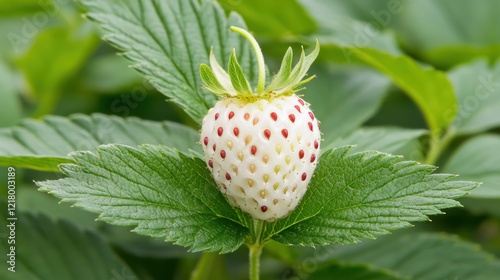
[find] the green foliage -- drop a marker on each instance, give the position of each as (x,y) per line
(10,108)
(436,31)
(478,92)
(149,188)
(363,195)
(352,272)
(168,40)
(425,256)
(429,88)
(474,160)
(68,253)
(385,68)
(46,70)
(390,140)
(43,145)
(276,23)
(346,99)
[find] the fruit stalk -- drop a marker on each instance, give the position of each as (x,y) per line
(255,249)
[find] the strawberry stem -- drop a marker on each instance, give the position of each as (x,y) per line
(256,249)
(261,83)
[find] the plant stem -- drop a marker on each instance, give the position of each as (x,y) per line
(254,255)
(256,249)
(258,53)
(437,146)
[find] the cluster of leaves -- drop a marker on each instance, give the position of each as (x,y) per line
(148,175)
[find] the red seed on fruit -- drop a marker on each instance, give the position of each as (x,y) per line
(253,150)
(223,154)
(231,115)
(246,116)
(310,126)
(292,117)
(311,115)
(297,107)
(228,177)
(220,130)
(304,176)
(267,133)
(216,116)
(313,158)
(214,147)
(274,116)
(236,131)
(263,208)
(211,164)
(316,144)
(301,102)
(301,154)
(284,132)
(205,141)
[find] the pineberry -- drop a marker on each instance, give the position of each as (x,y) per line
(262,148)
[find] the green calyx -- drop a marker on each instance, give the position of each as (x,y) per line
(234,83)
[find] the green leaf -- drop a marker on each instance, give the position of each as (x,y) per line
(363,195)
(428,28)
(161,192)
(43,145)
(10,102)
(339,23)
(430,89)
(397,141)
(422,256)
(477,87)
(237,76)
(267,18)
(482,205)
(55,56)
(477,160)
(448,56)
(30,200)
(344,98)
(58,250)
(350,271)
(108,74)
(168,40)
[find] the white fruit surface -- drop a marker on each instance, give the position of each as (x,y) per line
(262,154)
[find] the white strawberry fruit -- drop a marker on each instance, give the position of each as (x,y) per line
(262,148)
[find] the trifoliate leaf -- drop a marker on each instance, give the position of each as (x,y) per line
(161,192)
(363,195)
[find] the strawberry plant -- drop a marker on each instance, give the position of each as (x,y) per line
(254,175)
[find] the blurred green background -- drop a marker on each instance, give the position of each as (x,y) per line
(53,62)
